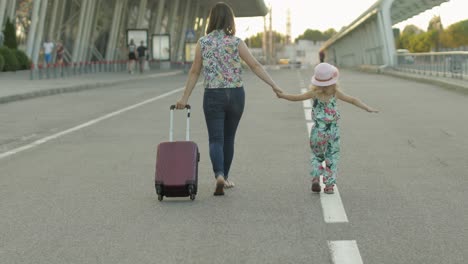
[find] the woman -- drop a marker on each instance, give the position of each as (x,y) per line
(219,55)
(131,56)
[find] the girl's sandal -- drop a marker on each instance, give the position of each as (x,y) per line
(329,189)
(316,185)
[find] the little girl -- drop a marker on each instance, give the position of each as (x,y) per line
(325,134)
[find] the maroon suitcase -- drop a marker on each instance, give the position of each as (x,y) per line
(177,165)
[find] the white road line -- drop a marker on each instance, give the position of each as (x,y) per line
(87,124)
(308,114)
(332,206)
(345,252)
(307,104)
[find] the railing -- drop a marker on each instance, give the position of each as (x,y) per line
(453,64)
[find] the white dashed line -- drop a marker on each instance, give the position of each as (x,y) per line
(84,125)
(345,252)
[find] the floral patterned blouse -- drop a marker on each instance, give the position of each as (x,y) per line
(221,60)
(325,113)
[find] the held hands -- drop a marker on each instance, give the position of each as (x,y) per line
(277,90)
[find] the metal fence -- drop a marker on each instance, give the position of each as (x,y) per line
(450,64)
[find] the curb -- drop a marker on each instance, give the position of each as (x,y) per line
(77,88)
(462,88)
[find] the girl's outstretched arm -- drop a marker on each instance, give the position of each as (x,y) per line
(355,101)
(297,97)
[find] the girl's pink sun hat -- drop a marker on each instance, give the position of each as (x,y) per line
(324,75)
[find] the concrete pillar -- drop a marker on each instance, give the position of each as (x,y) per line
(61,12)
(79,34)
(159,16)
(11,11)
(116,20)
(2,13)
(33,27)
(173,18)
(184,27)
(39,36)
(141,13)
(195,15)
(53,20)
(172,24)
(86,43)
(204,25)
(386,27)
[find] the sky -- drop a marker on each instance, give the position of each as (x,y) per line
(326,14)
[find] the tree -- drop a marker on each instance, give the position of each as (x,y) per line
(329,33)
(311,34)
(407,36)
(10,35)
(256,41)
(435,29)
(435,24)
(456,35)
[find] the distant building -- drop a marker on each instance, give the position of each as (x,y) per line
(305,51)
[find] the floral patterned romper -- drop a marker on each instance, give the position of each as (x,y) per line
(325,140)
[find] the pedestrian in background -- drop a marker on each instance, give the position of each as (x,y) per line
(48,47)
(325,134)
(131,56)
(218,55)
(141,50)
(322,56)
(59,53)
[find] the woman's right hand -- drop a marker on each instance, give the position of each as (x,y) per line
(181,103)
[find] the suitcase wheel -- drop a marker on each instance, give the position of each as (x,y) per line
(191,190)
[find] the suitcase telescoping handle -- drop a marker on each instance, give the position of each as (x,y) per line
(171,126)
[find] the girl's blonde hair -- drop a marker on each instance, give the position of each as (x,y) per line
(321,91)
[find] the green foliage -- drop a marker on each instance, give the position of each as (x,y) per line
(420,43)
(24,63)
(416,40)
(257,40)
(10,35)
(329,33)
(11,63)
(456,35)
(2,62)
(311,34)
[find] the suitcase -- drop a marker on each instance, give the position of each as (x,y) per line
(177,164)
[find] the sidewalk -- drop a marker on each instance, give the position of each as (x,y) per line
(444,82)
(15,86)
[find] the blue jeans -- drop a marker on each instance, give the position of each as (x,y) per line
(223,108)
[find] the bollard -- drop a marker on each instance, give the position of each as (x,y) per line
(40,67)
(47,66)
(31,75)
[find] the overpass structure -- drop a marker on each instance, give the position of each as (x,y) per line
(93,30)
(369,39)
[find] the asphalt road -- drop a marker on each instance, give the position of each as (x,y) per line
(87,195)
